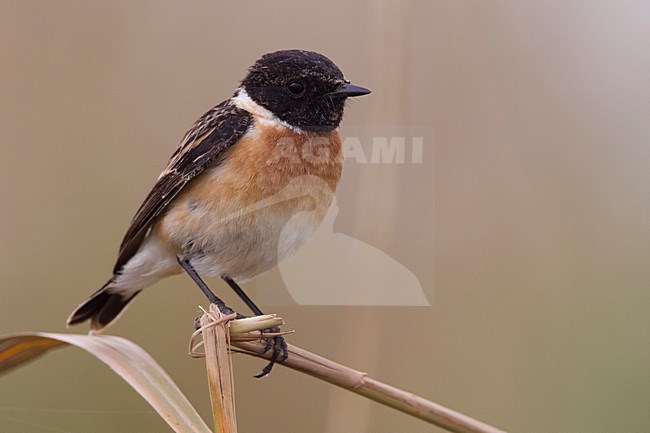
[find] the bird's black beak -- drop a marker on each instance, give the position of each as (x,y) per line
(347,90)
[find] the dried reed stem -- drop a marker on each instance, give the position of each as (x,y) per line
(247,342)
(218,361)
(359,382)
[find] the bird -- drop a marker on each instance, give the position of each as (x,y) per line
(231,201)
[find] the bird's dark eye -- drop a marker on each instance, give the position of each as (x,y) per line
(296,88)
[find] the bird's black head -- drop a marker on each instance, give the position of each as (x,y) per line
(302,88)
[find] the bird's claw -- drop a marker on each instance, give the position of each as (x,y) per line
(280,351)
(277,343)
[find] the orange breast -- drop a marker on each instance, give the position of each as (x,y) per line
(268,175)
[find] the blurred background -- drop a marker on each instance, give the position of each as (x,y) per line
(527,222)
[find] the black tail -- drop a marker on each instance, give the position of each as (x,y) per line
(102,308)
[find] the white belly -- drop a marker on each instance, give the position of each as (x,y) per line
(241,251)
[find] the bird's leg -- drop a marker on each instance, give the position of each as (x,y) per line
(244,297)
(280,350)
(214,299)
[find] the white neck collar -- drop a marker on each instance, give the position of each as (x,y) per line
(243,100)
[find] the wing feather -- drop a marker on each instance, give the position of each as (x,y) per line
(203,144)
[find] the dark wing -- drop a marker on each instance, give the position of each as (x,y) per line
(209,137)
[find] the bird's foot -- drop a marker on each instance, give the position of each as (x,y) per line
(280,350)
(276,343)
(225,310)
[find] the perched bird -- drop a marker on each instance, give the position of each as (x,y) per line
(231,202)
